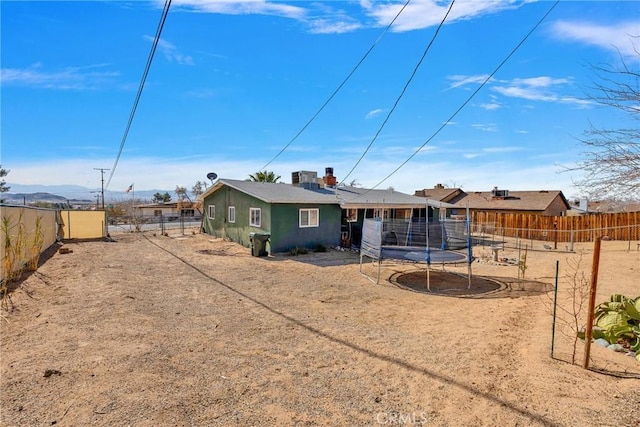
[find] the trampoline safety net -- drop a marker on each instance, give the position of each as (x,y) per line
(447,234)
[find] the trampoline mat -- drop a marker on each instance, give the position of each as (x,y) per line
(412,253)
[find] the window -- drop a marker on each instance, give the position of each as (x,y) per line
(187,212)
(308,218)
(212,211)
(232,214)
(381,213)
(352,215)
(255,217)
(157,212)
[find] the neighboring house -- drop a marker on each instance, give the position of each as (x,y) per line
(304,214)
(439,192)
(543,202)
(168,210)
(587,207)
(360,203)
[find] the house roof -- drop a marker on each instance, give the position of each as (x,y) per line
(275,192)
(439,193)
(346,197)
(517,200)
(354,197)
(158,205)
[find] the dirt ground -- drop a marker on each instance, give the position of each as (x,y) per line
(180,330)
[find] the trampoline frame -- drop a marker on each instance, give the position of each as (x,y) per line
(373,247)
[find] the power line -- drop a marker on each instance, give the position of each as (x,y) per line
(335,92)
(513,51)
(102,171)
(163,17)
(404,89)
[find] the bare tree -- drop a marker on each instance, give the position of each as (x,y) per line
(611,162)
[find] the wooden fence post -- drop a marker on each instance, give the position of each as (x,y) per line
(592,301)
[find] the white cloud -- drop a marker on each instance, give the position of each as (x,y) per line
(614,37)
(540,88)
(242,7)
(491,106)
(69,78)
(170,51)
(421,14)
(324,18)
(487,127)
(509,149)
(462,80)
(328,26)
(320,18)
(371,114)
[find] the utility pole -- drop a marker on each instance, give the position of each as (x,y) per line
(102,171)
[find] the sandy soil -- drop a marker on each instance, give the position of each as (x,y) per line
(154,330)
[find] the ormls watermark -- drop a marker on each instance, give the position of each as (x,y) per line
(393,418)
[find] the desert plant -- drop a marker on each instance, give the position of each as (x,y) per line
(577,294)
(12,259)
(618,322)
(36,245)
(298,251)
(522,264)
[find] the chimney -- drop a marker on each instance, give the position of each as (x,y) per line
(438,187)
(328,178)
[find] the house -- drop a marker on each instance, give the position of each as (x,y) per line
(360,203)
(292,215)
(167,210)
(588,207)
(543,202)
(306,213)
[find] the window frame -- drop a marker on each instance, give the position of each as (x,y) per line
(257,223)
(309,217)
(211,209)
(231,214)
(350,215)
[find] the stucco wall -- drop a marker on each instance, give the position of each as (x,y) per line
(12,217)
(83,224)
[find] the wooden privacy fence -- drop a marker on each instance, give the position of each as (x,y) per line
(615,226)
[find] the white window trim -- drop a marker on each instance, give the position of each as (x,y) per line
(232,214)
(349,218)
(211,211)
(251,222)
(309,210)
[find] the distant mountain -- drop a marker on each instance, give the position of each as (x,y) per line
(62,193)
(27,198)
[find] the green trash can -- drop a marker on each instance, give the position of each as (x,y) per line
(259,243)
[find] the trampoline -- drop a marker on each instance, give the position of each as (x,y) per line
(416,254)
(420,241)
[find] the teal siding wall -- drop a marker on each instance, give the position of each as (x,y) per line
(280,220)
(240,229)
(286,232)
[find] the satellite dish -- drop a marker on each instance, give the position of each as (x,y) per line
(212,175)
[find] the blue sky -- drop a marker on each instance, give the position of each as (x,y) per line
(233,82)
